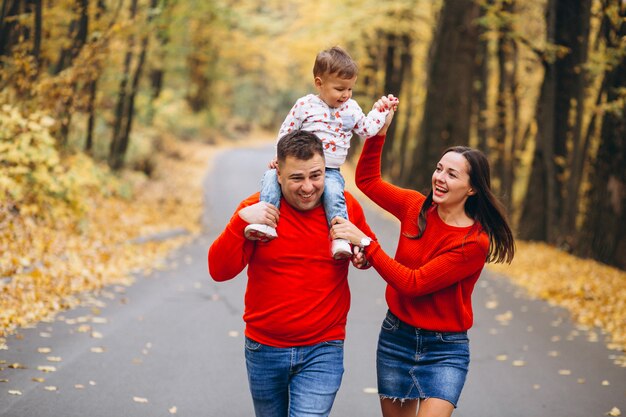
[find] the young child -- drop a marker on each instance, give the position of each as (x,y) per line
(333,116)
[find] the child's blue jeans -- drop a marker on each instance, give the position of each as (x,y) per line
(333,199)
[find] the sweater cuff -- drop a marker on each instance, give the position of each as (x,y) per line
(237,226)
(371,250)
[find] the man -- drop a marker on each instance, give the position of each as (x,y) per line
(297,296)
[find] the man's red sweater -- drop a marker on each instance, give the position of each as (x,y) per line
(430,279)
(297,294)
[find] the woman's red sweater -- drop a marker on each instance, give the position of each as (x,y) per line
(430,280)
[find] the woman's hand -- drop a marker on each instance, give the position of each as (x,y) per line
(358,260)
(390,103)
(345,229)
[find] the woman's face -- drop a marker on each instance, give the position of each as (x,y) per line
(451,181)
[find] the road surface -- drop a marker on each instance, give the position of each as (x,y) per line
(172,343)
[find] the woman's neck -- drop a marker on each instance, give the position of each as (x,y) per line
(454,216)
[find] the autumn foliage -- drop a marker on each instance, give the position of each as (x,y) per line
(69,226)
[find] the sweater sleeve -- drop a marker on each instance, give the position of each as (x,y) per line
(394,199)
(357,216)
(230,252)
(440,272)
(294,119)
(370,124)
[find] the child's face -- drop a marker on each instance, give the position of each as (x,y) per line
(334,90)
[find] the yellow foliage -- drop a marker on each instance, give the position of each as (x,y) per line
(595,294)
(47,261)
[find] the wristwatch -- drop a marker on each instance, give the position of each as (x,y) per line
(365,242)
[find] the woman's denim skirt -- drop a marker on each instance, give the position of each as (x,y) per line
(413,363)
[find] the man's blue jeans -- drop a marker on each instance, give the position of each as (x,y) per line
(294,382)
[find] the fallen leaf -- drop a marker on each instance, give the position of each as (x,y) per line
(50,388)
(140,400)
(173,410)
(15,392)
(17,365)
(519,363)
(614,412)
(565,372)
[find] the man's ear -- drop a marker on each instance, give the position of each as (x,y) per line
(278,174)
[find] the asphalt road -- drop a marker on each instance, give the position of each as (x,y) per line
(172,343)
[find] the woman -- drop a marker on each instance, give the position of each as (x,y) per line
(446,238)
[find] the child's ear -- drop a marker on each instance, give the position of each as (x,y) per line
(318,82)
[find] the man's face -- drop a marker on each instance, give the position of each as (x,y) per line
(302,182)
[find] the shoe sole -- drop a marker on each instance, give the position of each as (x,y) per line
(256,235)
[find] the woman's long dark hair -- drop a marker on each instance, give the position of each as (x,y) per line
(482,206)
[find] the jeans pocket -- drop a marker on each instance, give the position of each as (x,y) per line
(335,343)
(252,345)
(391,323)
(454,337)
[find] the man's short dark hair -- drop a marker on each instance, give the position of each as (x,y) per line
(300,144)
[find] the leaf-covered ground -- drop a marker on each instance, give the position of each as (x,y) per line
(52,263)
(46,264)
(594,294)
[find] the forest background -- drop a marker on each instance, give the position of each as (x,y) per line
(107,108)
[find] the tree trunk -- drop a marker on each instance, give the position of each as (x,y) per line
(579,147)
(117,149)
(480,100)
(604,232)
(37,25)
(538,218)
(92,88)
(447,111)
(8,29)
(400,67)
(157,73)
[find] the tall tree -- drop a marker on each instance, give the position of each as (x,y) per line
(79,29)
(447,111)
(119,144)
(544,203)
(604,232)
(506,107)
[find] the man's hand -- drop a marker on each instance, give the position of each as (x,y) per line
(260,213)
(273,164)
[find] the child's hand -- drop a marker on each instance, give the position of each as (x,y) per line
(273,164)
(390,102)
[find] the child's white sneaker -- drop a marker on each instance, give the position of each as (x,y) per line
(261,232)
(341,249)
